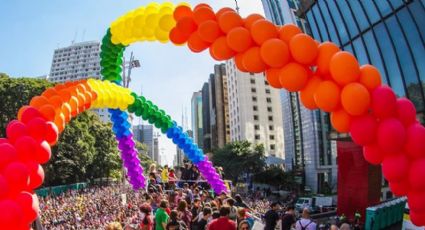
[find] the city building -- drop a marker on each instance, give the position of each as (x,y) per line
(254,110)
(308,150)
(145,134)
(75,62)
(206,118)
(197,123)
(156,153)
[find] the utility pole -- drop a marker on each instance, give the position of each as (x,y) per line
(237,6)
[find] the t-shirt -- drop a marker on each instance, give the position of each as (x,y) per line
(306,223)
(271,218)
(201,225)
(149,224)
(222,223)
(164,175)
(287,221)
(160,217)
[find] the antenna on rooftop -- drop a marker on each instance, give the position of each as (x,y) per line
(75,37)
(84,34)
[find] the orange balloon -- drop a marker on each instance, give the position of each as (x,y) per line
(73,102)
(272,76)
(251,19)
(60,122)
(288,31)
(65,94)
(201,5)
(370,77)
(187,25)
(203,14)
(307,94)
(303,49)
(81,88)
(89,100)
(252,60)
(69,84)
(181,12)
(344,68)
(327,96)
(275,53)
(196,44)
(66,111)
(221,50)
(49,92)
(355,99)
(38,101)
(239,39)
(56,101)
(81,102)
(341,121)
(48,111)
(60,86)
(263,30)
(224,10)
(209,31)
(239,62)
(178,37)
(229,20)
(293,77)
(326,51)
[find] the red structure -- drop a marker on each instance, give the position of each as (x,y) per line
(359,183)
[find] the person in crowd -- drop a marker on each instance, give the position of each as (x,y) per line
(345,226)
(244,225)
(305,223)
(185,173)
(216,214)
(184,214)
(196,210)
(239,202)
(206,218)
(152,169)
(175,223)
(147,220)
(243,216)
(222,223)
(114,226)
(161,216)
(165,176)
(172,178)
(334,227)
(271,217)
(233,215)
(288,219)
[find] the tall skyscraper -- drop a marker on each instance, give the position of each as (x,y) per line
(308,150)
(75,62)
(197,123)
(206,118)
(145,134)
(254,110)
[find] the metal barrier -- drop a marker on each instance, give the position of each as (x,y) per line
(58,190)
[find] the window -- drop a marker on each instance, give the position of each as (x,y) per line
(375,57)
(255,117)
(320,24)
(271,127)
(256,127)
(257,137)
(348,18)
(255,108)
(272,147)
(359,14)
(360,51)
(270,118)
(271,137)
(269,109)
(338,21)
(253,90)
(371,11)
(269,100)
(254,98)
(268,91)
(252,81)
(266,83)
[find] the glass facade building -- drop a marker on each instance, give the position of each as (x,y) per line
(389,34)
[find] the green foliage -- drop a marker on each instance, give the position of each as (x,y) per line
(238,158)
(275,176)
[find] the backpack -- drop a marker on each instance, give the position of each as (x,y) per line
(305,227)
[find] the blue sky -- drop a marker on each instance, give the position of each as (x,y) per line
(31,30)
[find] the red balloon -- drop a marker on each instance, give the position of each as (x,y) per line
(182,11)
(221,50)
(37,128)
(25,147)
(415,144)
(275,53)
(203,14)
(42,152)
(196,44)
(263,30)
(373,154)
(52,133)
(14,215)
(384,102)
(29,113)
(399,188)
(239,39)
(4,140)
(272,76)
(17,176)
(406,111)
(4,188)
(363,130)
(7,154)
(416,175)
(15,129)
(29,205)
(252,60)
(209,31)
(416,201)
(36,175)
(395,167)
(186,25)
(229,20)
(178,37)
(417,218)
(391,135)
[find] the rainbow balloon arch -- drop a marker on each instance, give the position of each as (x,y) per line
(326,77)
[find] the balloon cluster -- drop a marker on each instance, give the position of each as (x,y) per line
(149,23)
(27,146)
(110,95)
(328,79)
(126,144)
(111,59)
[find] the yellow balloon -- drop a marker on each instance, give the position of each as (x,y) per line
(184,4)
(152,7)
(152,20)
(148,32)
(161,35)
(139,11)
(167,22)
(115,40)
(137,32)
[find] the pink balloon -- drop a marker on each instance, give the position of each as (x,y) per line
(416,201)
(13,216)
(7,154)
(36,174)
(17,176)
(416,175)
(415,143)
(15,129)
(391,135)
(25,146)
(400,188)
(395,168)
(4,188)
(29,206)
(417,218)
(363,130)
(406,111)
(373,154)
(384,102)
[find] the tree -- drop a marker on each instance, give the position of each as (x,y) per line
(145,160)
(275,176)
(239,158)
